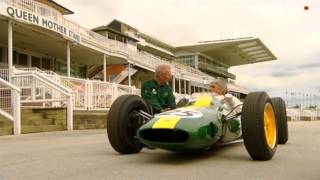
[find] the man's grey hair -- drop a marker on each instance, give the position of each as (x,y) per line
(162,69)
(222,83)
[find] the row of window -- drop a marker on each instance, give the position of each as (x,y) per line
(208,62)
(59,66)
(187,60)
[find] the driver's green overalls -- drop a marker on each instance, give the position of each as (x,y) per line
(160,97)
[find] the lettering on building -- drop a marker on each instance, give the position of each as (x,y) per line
(43,22)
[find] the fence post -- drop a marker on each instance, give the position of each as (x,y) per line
(114,92)
(69,113)
(33,89)
(89,95)
(86,95)
(16,112)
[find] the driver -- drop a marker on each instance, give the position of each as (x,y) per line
(219,88)
(157,92)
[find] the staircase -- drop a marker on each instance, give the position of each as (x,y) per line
(123,75)
(6,126)
(94,70)
(43,120)
(37,120)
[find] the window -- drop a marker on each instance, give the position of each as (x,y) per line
(23,59)
(60,67)
(187,60)
(35,62)
(46,63)
(111,36)
(82,71)
(14,57)
(119,38)
(1,55)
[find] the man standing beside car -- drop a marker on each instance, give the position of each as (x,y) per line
(157,92)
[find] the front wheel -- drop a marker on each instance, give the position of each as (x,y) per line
(123,123)
(259,127)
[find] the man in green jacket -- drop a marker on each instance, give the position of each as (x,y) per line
(157,92)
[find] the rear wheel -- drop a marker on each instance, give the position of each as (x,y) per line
(123,123)
(259,128)
(281,116)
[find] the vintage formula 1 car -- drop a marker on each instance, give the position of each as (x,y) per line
(199,124)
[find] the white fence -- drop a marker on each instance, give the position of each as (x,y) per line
(47,89)
(297,114)
(10,104)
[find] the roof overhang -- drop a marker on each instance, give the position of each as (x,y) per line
(63,10)
(153,40)
(233,52)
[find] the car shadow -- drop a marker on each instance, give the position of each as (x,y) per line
(224,152)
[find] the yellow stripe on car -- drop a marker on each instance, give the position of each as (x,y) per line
(168,122)
(203,101)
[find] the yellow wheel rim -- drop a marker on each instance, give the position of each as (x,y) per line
(270,128)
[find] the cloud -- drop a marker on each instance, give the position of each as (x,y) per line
(283,74)
(310,65)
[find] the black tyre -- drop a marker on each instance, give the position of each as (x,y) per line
(123,123)
(259,127)
(281,116)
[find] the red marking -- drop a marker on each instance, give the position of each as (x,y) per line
(306,8)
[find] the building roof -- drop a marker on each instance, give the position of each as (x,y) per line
(56,6)
(120,22)
(233,52)
(106,28)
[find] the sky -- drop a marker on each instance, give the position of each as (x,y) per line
(289,31)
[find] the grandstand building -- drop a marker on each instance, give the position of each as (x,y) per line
(49,61)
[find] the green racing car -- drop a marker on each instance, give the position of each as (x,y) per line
(199,124)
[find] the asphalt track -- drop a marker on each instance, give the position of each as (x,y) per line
(88,155)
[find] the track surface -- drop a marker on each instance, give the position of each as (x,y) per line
(88,155)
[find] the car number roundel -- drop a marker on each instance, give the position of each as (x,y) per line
(183,113)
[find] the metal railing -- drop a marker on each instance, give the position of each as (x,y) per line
(86,94)
(39,90)
(10,104)
(78,89)
(4,74)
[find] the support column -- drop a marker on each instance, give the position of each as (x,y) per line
(185,87)
(196,61)
(29,60)
(173,83)
(104,67)
(68,59)
(180,85)
(129,74)
(189,88)
(10,51)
